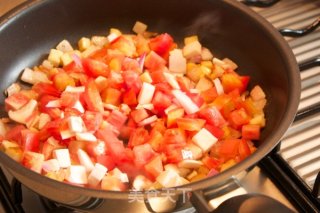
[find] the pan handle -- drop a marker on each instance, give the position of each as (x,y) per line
(209,199)
(232,197)
(260,3)
(301,32)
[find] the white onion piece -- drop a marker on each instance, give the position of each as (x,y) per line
(146,93)
(189,106)
(96,175)
(204,139)
(218,85)
(77,174)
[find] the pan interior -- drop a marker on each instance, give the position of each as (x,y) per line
(221,27)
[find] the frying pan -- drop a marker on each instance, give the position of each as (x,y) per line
(224,26)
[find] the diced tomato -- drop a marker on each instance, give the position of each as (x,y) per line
(112,183)
(92,120)
(75,145)
(33,161)
(239,117)
(92,97)
(196,98)
(153,61)
(61,80)
(29,140)
(211,163)
(173,115)
(209,95)
(216,131)
(14,133)
(159,126)
(113,144)
(16,101)
(173,152)
(46,89)
(156,141)
(251,132)
(107,161)
(229,148)
(231,81)
(73,67)
(81,79)
(161,101)
(132,80)
(138,137)
(139,115)
(184,83)
(157,77)
(244,150)
(161,44)
(100,55)
(130,97)
(154,167)
(249,106)
(130,169)
(190,124)
(111,96)
(95,68)
(53,128)
(175,136)
(143,154)
(245,81)
(142,44)
(213,116)
(117,119)
(165,88)
(124,45)
(126,132)
(44,100)
(129,64)
(223,101)
(48,146)
(115,80)
(68,99)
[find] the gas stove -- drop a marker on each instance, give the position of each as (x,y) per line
(291,172)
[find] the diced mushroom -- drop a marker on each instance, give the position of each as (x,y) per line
(63,157)
(190,164)
(177,62)
(64,46)
(51,165)
(192,49)
(23,114)
(76,174)
(139,27)
(33,77)
(97,174)
(76,124)
(85,160)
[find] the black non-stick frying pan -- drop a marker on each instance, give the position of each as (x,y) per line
(225,26)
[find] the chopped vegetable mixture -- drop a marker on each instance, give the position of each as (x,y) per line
(131,111)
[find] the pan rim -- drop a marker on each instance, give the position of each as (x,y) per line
(294,79)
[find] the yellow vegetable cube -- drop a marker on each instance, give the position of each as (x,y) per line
(84,43)
(188,40)
(55,57)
